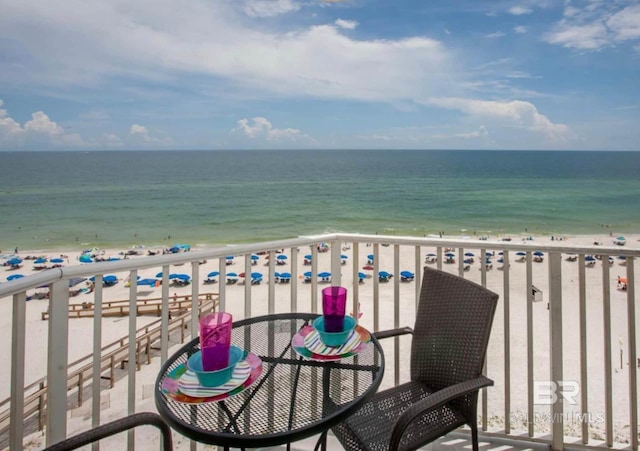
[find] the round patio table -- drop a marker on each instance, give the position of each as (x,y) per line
(291,398)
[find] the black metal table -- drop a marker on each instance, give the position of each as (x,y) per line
(293,398)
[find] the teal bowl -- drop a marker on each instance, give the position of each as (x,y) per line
(218,377)
(334,338)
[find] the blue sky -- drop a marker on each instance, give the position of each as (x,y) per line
(318,74)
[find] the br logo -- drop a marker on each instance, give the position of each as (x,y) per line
(548,392)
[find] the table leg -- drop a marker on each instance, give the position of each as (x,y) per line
(322,442)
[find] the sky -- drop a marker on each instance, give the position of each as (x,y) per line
(319,74)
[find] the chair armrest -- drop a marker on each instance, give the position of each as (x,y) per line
(120,425)
(392,332)
(434,401)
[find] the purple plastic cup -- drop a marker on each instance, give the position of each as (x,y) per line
(334,303)
(215,340)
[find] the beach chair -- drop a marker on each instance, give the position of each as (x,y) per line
(434,402)
(115,427)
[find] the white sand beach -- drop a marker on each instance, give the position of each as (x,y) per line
(80,330)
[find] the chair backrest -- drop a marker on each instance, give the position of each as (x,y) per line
(452,329)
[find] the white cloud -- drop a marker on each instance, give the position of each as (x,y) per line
(40,123)
(269,8)
(514,112)
(40,132)
(480,132)
(497,34)
(140,134)
(520,29)
(625,24)
(262,128)
(10,130)
(520,10)
(347,24)
(91,42)
(586,37)
(597,25)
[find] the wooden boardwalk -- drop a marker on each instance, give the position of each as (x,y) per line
(151,306)
(114,357)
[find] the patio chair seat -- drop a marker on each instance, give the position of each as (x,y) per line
(448,347)
(371,427)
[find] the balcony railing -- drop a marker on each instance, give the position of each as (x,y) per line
(565,368)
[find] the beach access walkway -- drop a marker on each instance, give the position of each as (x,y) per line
(114,357)
(151,306)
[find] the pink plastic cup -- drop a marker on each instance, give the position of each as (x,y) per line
(334,303)
(215,340)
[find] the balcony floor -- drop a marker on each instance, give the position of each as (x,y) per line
(456,441)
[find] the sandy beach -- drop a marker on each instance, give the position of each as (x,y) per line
(80,330)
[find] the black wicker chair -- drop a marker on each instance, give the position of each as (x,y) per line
(121,425)
(449,343)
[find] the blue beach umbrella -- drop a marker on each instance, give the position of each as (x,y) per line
(285,275)
(14,261)
(370,256)
(449,254)
(14,277)
(324,274)
(487,261)
(468,261)
(521,254)
(589,258)
(431,254)
(40,261)
(308,256)
(281,257)
(384,274)
(57,260)
(362,276)
(107,278)
(344,257)
(255,257)
(406,274)
(501,260)
(538,253)
(308,274)
(150,282)
(85,258)
(469,254)
(256,275)
(232,275)
(229,257)
(213,274)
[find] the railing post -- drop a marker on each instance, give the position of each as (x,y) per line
(507,342)
(97,356)
(336,261)
(17,371)
(131,367)
(56,429)
(555,351)
(633,376)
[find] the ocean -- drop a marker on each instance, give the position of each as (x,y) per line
(65,200)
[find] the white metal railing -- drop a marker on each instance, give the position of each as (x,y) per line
(518,414)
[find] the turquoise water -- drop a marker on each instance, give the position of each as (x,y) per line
(63,199)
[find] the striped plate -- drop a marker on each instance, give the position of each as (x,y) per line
(313,343)
(190,386)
